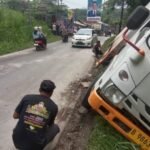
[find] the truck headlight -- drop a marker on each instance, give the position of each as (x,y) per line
(113,94)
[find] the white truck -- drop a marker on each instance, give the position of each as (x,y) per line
(122,93)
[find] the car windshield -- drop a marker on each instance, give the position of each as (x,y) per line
(84,32)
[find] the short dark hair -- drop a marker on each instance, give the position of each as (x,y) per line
(94,3)
(47,86)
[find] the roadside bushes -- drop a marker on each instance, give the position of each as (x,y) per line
(16,31)
(107,43)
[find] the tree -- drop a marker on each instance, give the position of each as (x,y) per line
(134,3)
(112,10)
(80,14)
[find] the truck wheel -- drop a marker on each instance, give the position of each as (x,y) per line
(87,94)
(85,98)
(37,48)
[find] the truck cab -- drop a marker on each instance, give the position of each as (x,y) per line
(121,93)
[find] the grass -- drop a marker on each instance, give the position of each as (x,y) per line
(105,137)
(16,31)
(107,43)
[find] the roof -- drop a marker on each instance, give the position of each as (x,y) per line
(79,23)
(86,28)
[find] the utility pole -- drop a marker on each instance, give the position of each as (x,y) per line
(59,5)
(121,16)
(57,13)
(61,1)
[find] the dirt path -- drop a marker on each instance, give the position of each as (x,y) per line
(77,131)
(78,128)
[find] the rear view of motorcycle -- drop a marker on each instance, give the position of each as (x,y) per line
(39,45)
(65,38)
(39,38)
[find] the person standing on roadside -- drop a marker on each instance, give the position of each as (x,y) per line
(35,33)
(54,28)
(57,29)
(36,114)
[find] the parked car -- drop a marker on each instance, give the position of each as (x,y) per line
(84,37)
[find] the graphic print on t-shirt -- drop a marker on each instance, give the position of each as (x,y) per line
(36,116)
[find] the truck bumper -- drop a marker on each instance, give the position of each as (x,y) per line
(119,121)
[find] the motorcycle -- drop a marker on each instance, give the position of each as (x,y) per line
(39,45)
(65,38)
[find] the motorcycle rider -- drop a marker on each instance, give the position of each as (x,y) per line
(39,35)
(35,33)
(64,35)
(42,35)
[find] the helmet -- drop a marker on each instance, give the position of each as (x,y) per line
(40,28)
(35,28)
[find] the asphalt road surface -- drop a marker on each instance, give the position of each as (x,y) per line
(22,72)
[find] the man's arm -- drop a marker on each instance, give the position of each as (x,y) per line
(53,116)
(18,109)
(16,115)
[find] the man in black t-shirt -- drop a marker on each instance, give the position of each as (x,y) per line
(36,114)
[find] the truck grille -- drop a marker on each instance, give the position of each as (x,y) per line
(145,120)
(135,107)
(139,109)
(147,108)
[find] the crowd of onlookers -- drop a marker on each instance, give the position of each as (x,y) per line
(59,29)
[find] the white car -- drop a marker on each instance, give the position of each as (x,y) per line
(84,37)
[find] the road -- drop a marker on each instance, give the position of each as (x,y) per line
(22,72)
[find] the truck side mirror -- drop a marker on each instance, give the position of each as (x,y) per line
(138,16)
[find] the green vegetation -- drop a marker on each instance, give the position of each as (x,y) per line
(80,14)
(112,15)
(108,43)
(16,31)
(105,137)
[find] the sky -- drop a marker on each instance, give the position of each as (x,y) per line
(75,3)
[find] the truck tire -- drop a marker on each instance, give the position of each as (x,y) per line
(87,94)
